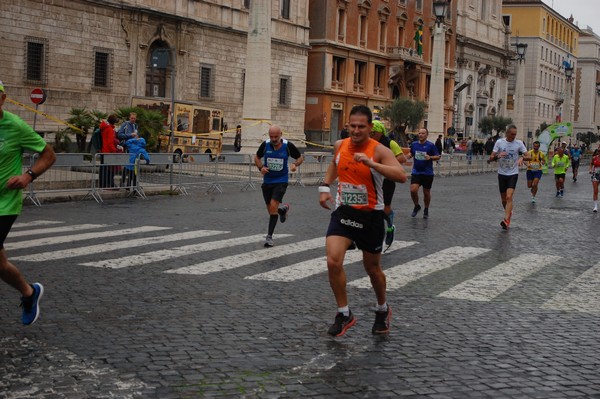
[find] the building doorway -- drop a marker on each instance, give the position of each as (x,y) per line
(336,116)
(157,66)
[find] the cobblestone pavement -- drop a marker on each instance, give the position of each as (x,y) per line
(175,297)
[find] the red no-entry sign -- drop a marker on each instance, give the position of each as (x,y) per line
(38,96)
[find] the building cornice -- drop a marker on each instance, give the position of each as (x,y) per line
(482,46)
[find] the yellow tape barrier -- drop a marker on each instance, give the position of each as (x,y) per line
(75,128)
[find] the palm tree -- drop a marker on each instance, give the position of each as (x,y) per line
(82,119)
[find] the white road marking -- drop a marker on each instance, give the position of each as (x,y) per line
(493,282)
(165,254)
(581,294)
(399,276)
(112,246)
(53,230)
(311,267)
(239,260)
(34,223)
(81,237)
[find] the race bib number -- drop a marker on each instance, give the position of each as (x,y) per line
(534,165)
(275,164)
(506,162)
(420,155)
(354,195)
(560,164)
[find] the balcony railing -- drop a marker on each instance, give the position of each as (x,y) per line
(404,53)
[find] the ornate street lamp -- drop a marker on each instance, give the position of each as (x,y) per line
(439,10)
(569,73)
(521,50)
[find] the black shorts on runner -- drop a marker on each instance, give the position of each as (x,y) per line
(388,191)
(6,222)
(274,191)
(506,182)
(575,164)
(422,180)
(365,228)
(559,176)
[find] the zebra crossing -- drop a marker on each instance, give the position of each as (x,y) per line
(146,244)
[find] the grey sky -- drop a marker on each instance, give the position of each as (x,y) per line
(584,12)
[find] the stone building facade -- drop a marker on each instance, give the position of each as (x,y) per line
(587,117)
(100,54)
(364,52)
(483,59)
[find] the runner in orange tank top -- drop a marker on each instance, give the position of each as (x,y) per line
(360,164)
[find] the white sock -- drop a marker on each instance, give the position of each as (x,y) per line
(345,310)
(381,308)
(595,204)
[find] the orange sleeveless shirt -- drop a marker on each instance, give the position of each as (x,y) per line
(358,185)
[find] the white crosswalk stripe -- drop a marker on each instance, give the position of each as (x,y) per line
(493,282)
(311,267)
(582,294)
(399,276)
(235,261)
(115,245)
(80,237)
(54,230)
(166,254)
(35,223)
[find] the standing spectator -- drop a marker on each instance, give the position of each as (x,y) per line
(16,136)
(272,160)
(136,146)
(450,145)
(438,144)
(507,152)
(469,150)
(424,152)
(106,174)
(127,129)
(595,172)
(489,146)
(237,141)
(344,133)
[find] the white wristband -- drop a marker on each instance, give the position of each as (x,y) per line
(324,189)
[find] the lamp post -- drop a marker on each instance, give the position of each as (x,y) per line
(567,103)
(435,112)
(519,101)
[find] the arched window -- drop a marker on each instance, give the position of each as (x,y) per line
(158,69)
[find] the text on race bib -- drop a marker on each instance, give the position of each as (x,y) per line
(353,195)
(275,164)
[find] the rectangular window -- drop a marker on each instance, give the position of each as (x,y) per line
(379,81)
(382,36)
(247,4)
(362,40)
(207,81)
(419,5)
(102,68)
(285,9)
(35,60)
(341,24)
(338,72)
(285,91)
(243,83)
(402,3)
(360,72)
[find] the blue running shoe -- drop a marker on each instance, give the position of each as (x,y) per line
(389,235)
(31,305)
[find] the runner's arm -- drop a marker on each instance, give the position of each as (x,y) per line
(325,198)
(46,159)
(385,163)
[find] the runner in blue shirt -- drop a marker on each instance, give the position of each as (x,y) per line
(575,157)
(424,153)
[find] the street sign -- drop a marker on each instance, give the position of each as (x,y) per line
(38,96)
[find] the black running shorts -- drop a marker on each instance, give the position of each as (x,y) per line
(274,191)
(6,222)
(365,228)
(506,182)
(422,180)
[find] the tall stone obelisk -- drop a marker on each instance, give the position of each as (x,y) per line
(256,111)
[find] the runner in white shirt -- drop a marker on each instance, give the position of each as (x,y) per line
(510,154)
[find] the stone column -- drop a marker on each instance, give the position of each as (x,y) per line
(435,113)
(257,87)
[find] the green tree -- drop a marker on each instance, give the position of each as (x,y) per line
(588,138)
(500,123)
(150,123)
(486,125)
(543,126)
(82,119)
(404,113)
